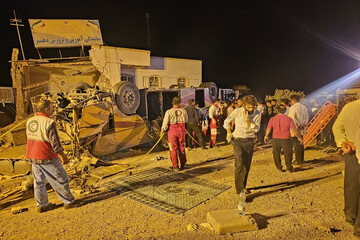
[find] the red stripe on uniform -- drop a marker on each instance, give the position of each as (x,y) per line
(39,150)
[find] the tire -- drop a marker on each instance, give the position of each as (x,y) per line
(80,86)
(127,97)
(213,90)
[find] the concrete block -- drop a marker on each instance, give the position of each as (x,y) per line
(230,221)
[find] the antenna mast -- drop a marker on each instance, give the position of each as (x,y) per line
(17,22)
(147,15)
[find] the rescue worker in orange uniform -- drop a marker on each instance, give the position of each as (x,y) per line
(174,121)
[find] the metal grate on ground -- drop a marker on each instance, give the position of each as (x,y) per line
(166,190)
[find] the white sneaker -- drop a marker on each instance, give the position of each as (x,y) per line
(242,203)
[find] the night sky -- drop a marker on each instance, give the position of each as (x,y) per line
(262,44)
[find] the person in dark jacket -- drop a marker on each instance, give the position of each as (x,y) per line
(193,124)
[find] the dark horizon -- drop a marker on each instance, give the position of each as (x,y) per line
(262,44)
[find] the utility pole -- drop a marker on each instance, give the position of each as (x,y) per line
(16,22)
(147,15)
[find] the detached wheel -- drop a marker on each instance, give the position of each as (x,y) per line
(82,86)
(127,97)
(213,90)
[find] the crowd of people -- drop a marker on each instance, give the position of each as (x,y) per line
(206,127)
(247,121)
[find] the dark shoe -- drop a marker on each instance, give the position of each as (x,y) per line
(280,169)
(46,208)
(183,167)
(204,147)
(74,204)
(290,170)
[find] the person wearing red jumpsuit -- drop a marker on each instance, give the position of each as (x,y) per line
(174,122)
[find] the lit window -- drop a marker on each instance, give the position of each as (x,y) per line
(154,81)
(126,78)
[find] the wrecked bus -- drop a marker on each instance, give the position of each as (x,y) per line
(103,118)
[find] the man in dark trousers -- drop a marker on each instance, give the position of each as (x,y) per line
(193,124)
(174,121)
(247,121)
(282,127)
(299,114)
(347,136)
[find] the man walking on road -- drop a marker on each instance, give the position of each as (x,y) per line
(214,112)
(174,121)
(193,124)
(299,115)
(247,122)
(282,126)
(45,152)
(346,130)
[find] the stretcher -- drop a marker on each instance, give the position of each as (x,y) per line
(319,122)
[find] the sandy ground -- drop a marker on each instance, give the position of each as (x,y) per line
(306,204)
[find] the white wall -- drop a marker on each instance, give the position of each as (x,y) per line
(169,70)
(108,60)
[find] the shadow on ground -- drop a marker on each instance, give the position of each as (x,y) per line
(315,163)
(262,220)
(279,187)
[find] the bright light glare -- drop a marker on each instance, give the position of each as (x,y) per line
(343,83)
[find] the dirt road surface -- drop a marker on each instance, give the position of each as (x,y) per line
(305,204)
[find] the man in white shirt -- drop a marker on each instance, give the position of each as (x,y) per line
(229,110)
(247,122)
(214,112)
(261,108)
(346,131)
(299,115)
